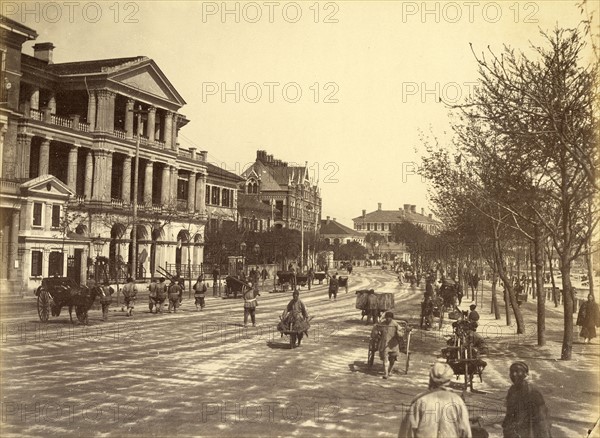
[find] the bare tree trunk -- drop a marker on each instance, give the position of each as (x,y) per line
(590,269)
(495,306)
(539,281)
(568,306)
(554,297)
(509,293)
(532,269)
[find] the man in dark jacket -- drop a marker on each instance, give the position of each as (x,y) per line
(526,410)
(333,287)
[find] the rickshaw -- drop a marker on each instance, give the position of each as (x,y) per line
(235,286)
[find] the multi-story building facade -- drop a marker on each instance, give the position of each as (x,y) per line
(295,199)
(383,221)
(70,158)
(221,197)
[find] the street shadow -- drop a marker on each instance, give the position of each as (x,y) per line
(278,345)
(363,367)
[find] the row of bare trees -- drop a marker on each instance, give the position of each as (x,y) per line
(524,167)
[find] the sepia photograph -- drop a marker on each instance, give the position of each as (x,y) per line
(299,219)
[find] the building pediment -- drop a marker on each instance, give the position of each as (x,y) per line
(147,78)
(45,186)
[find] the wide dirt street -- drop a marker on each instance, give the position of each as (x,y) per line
(203,374)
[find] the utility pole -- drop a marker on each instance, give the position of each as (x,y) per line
(138,113)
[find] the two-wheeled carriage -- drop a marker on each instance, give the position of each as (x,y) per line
(285,281)
(375,340)
(58,292)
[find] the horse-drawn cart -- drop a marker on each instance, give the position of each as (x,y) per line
(57,292)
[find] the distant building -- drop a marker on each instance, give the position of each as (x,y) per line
(383,221)
(295,199)
(333,233)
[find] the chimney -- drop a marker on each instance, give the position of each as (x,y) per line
(43,51)
(364,213)
(407,207)
(422,211)
(379,206)
(327,220)
(430,216)
(413,208)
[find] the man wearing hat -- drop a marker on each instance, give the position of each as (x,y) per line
(438,412)
(526,410)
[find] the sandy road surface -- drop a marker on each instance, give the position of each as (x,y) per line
(203,374)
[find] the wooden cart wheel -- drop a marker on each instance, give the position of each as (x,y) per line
(43,305)
(82,314)
(407,353)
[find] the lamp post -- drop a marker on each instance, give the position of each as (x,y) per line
(98,244)
(138,113)
(243,250)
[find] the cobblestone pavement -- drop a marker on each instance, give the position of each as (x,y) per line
(203,374)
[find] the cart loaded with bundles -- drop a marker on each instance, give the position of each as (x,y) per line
(385,301)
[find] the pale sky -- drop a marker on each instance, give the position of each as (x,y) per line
(381,65)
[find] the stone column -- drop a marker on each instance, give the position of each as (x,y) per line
(91,113)
(34,99)
(44,157)
(151,123)
(174,174)
(105,120)
(165,186)
(148,183)
(108,175)
(72,168)
(89,175)
(52,103)
(129,119)
(23,155)
(13,245)
(200,194)
(191,192)
(100,191)
(174,132)
(168,129)
(126,182)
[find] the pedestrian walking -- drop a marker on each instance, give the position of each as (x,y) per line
(526,410)
(438,412)
(588,319)
(391,336)
(250,304)
(333,287)
(264,274)
(175,292)
(105,299)
(129,295)
(152,290)
(199,292)
(161,295)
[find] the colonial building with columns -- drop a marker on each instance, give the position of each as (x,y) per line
(69,168)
